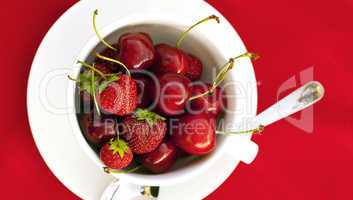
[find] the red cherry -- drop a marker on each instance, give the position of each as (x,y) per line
(136,50)
(108,52)
(104,68)
(195,134)
(172,93)
(213,103)
(170,60)
(195,68)
(98,129)
(161,159)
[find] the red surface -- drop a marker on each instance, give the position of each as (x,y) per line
(290,36)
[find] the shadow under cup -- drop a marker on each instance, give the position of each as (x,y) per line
(196,43)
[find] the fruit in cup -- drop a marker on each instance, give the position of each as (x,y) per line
(143,131)
(195,68)
(119,97)
(116,154)
(195,134)
(98,129)
(161,159)
(172,94)
(170,60)
(98,70)
(136,50)
(212,103)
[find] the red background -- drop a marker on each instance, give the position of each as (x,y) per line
(290,36)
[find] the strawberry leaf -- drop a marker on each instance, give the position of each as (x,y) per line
(118,146)
(85,82)
(150,117)
(109,79)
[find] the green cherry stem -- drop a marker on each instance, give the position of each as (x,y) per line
(184,34)
(223,73)
(95,13)
(92,68)
(215,82)
(258,130)
(114,61)
(93,88)
(114,171)
(73,79)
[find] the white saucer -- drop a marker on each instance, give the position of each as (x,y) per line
(50,125)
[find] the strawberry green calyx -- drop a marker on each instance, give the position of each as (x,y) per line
(84,81)
(109,79)
(150,117)
(118,146)
(101,80)
(88,82)
(93,81)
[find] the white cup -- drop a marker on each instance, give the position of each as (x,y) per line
(212,43)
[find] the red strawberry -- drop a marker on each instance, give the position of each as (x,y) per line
(119,97)
(144,131)
(161,159)
(195,68)
(116,154)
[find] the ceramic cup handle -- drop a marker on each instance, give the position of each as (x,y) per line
(122,190)
(246,150)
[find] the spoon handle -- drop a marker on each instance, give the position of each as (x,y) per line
(246,150)
(298,100)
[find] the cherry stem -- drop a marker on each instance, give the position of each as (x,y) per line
(184,34)
(93,88)
(95,13)
(222,74)
(114,61)
(258,130)
(92,68)
(115,171)
(73,79)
